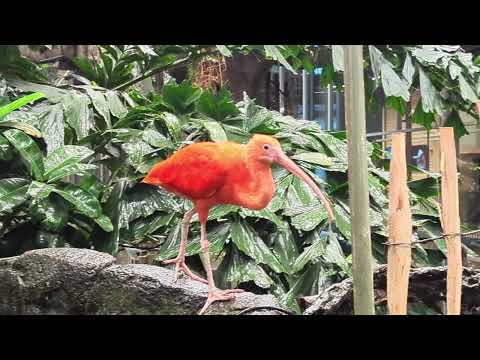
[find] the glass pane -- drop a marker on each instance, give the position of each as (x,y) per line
(320,113)
(337,110)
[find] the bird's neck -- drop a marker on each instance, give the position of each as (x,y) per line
(259,188)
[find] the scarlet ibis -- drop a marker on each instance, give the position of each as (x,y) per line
(211,174)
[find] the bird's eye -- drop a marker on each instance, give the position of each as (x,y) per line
(266,147)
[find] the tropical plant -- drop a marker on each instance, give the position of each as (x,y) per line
(286,249)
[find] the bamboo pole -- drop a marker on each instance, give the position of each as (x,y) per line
(451,220)
(400,230)
(355,119)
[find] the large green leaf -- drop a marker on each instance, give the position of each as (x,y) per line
(215,131)
(466,90)
(39,190)
(431,100)
(456,122)
(20,125)
(85,203)
(100,103)
(53,94)
(52,125)
(28,150)
(65,161)
(392,84)
(24,100)
(217,107)
(274,52)
(319,243)
(77,114)
(113,208)
(408,71)
(6,152)
(143,201)
(51,212)
(181,97)
(310,219)
(13,192)
(115,104)
(156,139)
(237,268)
(264,214)
(422,118)
(334,254)
(224,50)
(314,158)
(173,125)
(250,243)
(285,248)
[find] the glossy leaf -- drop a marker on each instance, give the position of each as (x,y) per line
(28,150)
(285,248)
(181,97)
(51,125)
(310,219)
(248,241)
(53,94)
(431,101)
(215,131)
(392,84)
(408,71)
(65,161)
(77,114)
(39,190)
(466,90)
(314,158)
(50,212)
(6,150)
(13,192)
(85,203)
(314,251)
(24,100)
(115,104)
(224,50)
(100,103)
(237,268)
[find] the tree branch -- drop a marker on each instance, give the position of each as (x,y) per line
(175,65)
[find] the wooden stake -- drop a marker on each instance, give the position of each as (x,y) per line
(400,230)
(451,220)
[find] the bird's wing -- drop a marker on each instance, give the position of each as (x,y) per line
(197,171)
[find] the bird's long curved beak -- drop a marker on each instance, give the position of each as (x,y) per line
(284,161)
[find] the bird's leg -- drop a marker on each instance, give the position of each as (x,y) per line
(214,294)
(179,261)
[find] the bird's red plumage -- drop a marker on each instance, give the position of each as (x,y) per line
(196,171)
(217,173)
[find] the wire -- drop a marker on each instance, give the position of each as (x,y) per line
(431,239)
(254,308)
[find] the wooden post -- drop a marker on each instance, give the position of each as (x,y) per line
(451,220)
(358,181)
(400,230)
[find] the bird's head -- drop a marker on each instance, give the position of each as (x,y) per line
(267,149)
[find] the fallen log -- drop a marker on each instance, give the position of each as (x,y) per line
(426,285)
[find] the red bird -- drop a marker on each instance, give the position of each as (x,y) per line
(211,174)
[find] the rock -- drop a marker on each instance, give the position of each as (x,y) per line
(82,281)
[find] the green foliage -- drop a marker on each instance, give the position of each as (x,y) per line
(286,249)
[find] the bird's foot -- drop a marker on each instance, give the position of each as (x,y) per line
(219,295)
(182,267)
